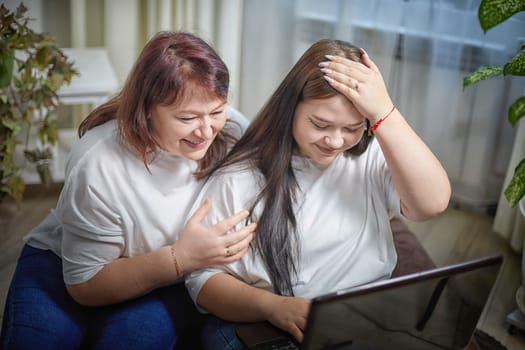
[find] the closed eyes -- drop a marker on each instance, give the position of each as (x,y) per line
(322,126)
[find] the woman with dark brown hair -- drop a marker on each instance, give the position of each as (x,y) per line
(104,269)
(324,166)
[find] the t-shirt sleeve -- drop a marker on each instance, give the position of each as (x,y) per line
(91,228)
(226,201)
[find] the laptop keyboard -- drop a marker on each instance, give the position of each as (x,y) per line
(281,344)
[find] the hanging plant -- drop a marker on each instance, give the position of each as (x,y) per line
(490,14)
(32,70)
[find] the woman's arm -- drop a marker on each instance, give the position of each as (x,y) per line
(198,247)
(234,300)
(419,177)
(126,278)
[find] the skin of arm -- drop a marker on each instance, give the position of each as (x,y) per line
(420,180)
(126,278)
(198,247)
(233,300)
(419,177)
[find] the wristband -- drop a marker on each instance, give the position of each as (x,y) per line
(378,123)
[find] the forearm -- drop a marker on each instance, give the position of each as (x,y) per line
(419,177)
(127,278)
(231,299)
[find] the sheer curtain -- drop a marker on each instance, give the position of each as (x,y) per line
(510,222)
(217,21)
(124,26)
(424,49)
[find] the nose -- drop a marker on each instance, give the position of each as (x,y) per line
(205,130)
(334,140)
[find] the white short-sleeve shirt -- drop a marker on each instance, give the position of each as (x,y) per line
(111,206)
(343,215)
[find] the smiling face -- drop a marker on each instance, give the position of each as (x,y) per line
(324,128)
(188,127)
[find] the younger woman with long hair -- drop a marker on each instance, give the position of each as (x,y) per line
(324,166)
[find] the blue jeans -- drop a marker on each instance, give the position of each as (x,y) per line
(218,334)
(40,314)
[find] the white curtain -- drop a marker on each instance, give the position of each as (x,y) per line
(128,24)
(267,50)
(217,21)
(510,222)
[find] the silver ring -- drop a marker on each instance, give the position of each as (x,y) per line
(227,251)
(357,85)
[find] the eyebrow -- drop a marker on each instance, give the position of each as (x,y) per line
(319,119)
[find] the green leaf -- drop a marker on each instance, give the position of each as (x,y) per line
(493,12)
(517,110)
(43,56)
(16,189)
(56,81)
(6,69)
(516,66)
(37,154)
(482,73)
(48,134)
(12,125)
(516,188)
(8,164)
(9,168)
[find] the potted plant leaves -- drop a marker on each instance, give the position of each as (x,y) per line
(32,70)
(490,14)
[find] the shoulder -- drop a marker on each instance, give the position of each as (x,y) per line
(96,145)
(242,178)
(239,172)
(237,123)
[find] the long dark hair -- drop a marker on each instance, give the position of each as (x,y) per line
(268,144)
(167,64)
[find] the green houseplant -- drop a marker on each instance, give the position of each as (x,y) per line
(490,14)
(32,70)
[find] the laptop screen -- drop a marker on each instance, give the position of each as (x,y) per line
(435,309)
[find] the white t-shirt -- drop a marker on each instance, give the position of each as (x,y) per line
(111,206)
(343,215)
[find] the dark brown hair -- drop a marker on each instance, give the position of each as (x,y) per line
(168,63)
(268,144)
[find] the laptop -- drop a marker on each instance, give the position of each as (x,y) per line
(432,309)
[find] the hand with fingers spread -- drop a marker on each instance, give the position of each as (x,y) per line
(362,83)
(200,246)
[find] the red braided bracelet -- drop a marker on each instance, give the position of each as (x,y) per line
(377,123)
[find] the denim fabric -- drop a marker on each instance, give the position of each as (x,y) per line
(40,314)
(218,334)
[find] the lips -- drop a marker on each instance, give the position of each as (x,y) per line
(196,145)
(327,151)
